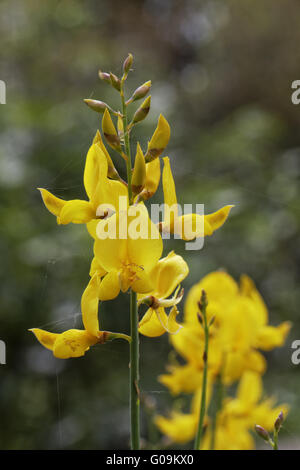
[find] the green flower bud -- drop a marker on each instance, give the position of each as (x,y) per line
(95,105)
(261,432)
(159,140)
(104,76)
(127,64)
(110,132)
(142,111)
(140,92)
(278,422)
(139,171)
(115,81)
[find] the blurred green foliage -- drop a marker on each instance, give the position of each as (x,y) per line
(221,73)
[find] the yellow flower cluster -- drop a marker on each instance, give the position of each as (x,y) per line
(114,213)
(239,330)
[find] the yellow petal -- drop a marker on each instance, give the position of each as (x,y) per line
(150,325)
(172,327)
(152,179)
(109,131)
(221,290)
(170,198)
(271,337)
(89,306)
(96,268)
(217,219)
(73,343)
(92,228)
(146,251)
(53,203)
(156,322)
(112,252)
(179,427)
(168,274)
(143,282)
(46,338)
(107,124)
(109,287)
(250,389)
(182,379)
(139,171)
(110,196)
(77,212)
(111,171)
(159,140)
(248,289)
(91,170)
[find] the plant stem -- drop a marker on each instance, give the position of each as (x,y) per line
(275,441)
(217,408)
(134,374)
(134,344)
(204,380)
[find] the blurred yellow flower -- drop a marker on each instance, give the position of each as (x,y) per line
(239,329)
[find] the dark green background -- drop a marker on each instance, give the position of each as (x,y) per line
(221,73)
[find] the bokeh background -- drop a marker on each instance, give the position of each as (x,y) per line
(221,73)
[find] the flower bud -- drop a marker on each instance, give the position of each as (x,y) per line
(127,64)
(115,81)
(159,140)
(110,132)
(142,111)
(111,170)
(140,92)
(95,105)
(202,304)
(139,171)
(104,76)
(261,432)
(120,126)
(278,422)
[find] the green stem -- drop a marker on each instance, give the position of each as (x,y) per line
(217,408)
(204,382)
(134,344)
(275,441)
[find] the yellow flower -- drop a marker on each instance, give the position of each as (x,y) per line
(240,327)
(181,427)
(101,190)
(74,342)
(166,276)
(235,421)
(127,260)
(239,415)
(70,343)
(188,226)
